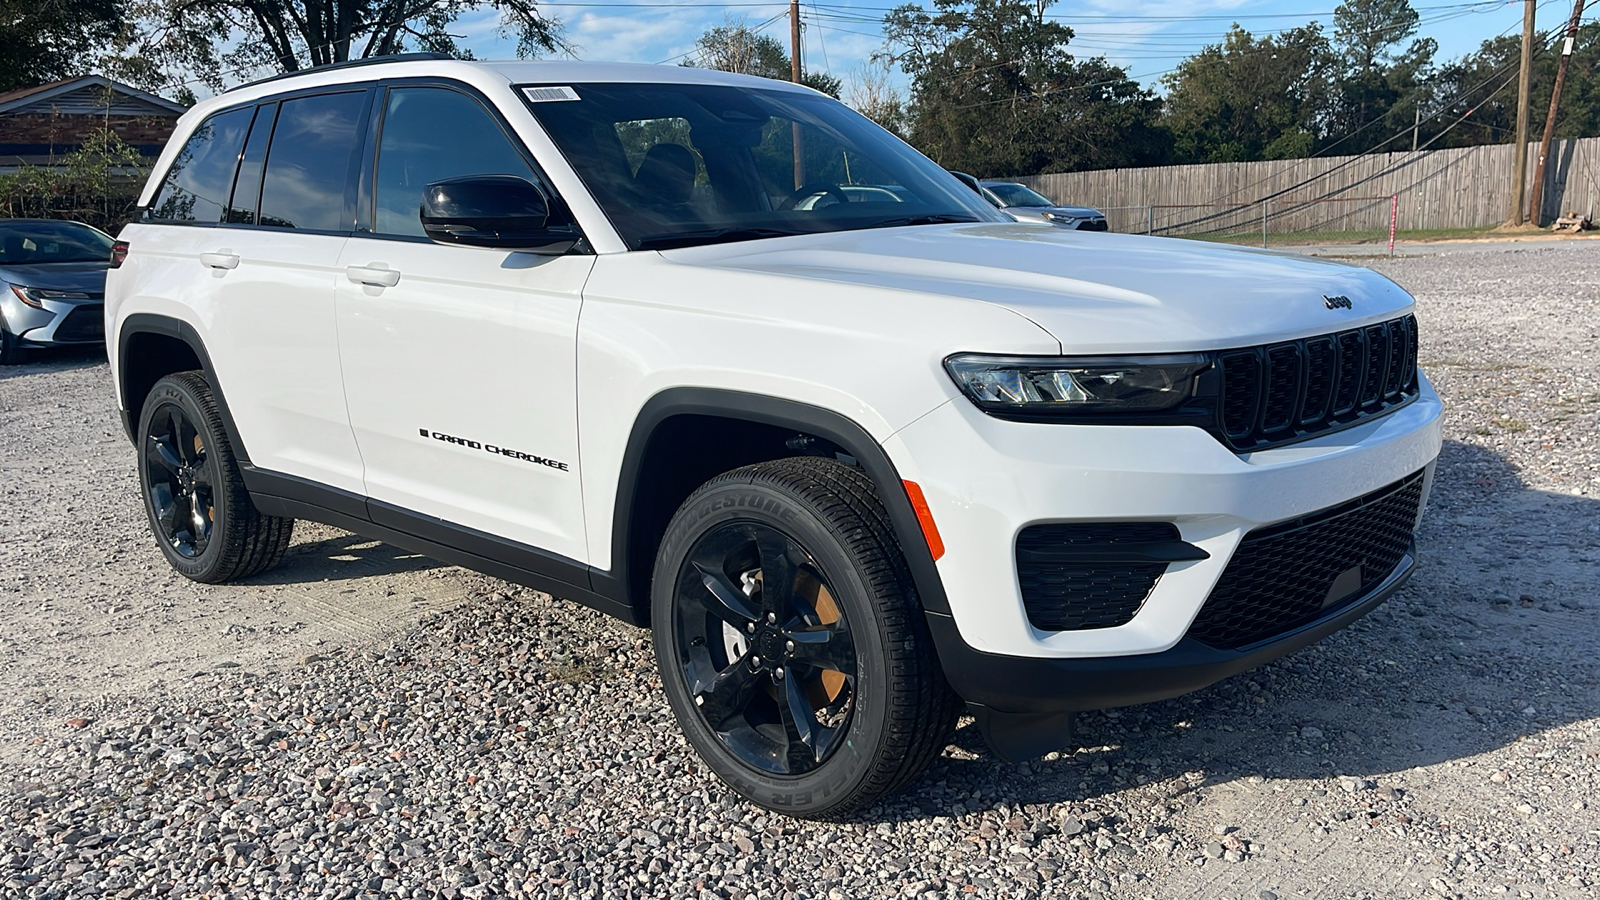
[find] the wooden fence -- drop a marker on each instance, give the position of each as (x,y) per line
(1465,187)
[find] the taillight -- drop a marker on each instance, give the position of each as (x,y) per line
(119,252)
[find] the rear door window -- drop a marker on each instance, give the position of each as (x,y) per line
(197,186)
(309,162)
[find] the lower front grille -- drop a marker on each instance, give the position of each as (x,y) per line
(82,324)
(1065,589)
(1092,225)
(1287,574)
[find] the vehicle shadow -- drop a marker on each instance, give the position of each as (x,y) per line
(342,557)
(1491,641)
(56,359)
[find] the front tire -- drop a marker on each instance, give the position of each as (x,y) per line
(198,507)
(790,641)
(11,350)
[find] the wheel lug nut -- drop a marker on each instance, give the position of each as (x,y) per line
(789,646)
(771,618)
(778,673)
(755,661)
(751,628)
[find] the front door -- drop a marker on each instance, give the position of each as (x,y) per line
(459,362)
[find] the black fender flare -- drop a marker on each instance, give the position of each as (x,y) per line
(171,327)
(804,418)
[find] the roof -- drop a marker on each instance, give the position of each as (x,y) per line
(504,72)
(83,95)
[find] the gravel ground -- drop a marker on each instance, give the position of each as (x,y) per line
(346,726)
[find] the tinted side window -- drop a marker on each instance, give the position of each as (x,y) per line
(430,134)
(247,187)
(197,186)
(308,164)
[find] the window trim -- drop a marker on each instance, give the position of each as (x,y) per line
(367,194)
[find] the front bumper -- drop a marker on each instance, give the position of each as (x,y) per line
(1034,686)
(986,480)
(59,322)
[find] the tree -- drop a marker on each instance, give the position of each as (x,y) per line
(98,183)
(996,92)
(1464,90)
(215,37)
(736,47)
(1366,31)
(1249,98)
(1382,78)
(874,96)
(41,42)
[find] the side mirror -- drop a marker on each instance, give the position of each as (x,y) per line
(500,211)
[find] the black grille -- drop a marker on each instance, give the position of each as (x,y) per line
(83,323)
(1286,392)
(1092,225)
(1075,594)
(1287,574)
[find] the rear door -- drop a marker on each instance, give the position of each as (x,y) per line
(459,362)
(273,335)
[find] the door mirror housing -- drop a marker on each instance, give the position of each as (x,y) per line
(500,211)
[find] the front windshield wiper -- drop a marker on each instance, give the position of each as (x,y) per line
(711,236)
(926,219)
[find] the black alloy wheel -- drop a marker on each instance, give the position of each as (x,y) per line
(764,647)
(180,481)
(790,641)
(202,516)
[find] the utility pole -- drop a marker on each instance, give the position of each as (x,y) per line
(1524,86)
(1536,204)
(794,76)
(1416,122)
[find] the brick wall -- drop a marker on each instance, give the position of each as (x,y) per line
(67,131)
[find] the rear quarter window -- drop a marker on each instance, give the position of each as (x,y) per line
(197,186)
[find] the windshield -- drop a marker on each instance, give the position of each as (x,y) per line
(1016,194)
(675,165)
(31,243)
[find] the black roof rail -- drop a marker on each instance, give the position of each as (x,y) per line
(347,64)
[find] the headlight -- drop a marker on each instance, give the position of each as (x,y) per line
(1068,385)
(1060,218)
(35,297)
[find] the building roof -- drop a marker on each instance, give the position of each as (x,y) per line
(85,96)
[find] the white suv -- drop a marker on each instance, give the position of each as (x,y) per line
(717,355)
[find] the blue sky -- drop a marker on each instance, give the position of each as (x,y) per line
(1146,36)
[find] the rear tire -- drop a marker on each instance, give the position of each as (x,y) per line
(813,700)
(198,508)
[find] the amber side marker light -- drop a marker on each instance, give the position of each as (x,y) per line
(930,531)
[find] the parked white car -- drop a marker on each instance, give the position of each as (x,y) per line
(860,465)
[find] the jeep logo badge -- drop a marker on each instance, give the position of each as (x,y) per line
(1340,302)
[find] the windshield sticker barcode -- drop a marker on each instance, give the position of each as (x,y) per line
(549,94)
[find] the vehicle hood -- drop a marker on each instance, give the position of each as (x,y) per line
(84,277)
(1094,292)
(1037,212)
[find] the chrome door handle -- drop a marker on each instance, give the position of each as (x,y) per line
(220,260)
(377,277)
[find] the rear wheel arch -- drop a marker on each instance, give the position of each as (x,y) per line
(151,347)
(685,435)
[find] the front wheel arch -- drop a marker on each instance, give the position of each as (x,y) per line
(638,524)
